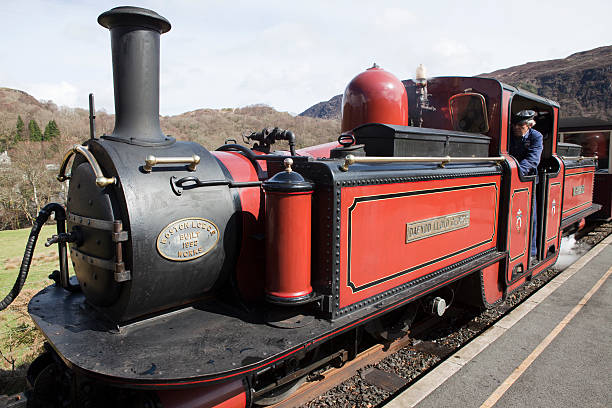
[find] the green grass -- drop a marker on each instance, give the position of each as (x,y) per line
(12,245)
(20,342)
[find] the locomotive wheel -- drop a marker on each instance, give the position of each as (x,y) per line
(42,377)
(281,393)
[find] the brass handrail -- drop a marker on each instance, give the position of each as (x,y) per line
(579,158)
(101,180)
(151,161)
(350,159)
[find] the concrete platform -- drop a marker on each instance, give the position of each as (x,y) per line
(554,350)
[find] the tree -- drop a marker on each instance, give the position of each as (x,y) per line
(4,142)
(19,130)
(51,131)
(28,186)
(35,133)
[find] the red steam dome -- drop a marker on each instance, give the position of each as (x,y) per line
(374,96)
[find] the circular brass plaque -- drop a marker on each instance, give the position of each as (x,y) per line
(187,239)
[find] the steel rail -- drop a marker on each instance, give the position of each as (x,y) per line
(371,356)
(335,376)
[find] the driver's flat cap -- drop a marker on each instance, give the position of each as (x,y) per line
(523,116)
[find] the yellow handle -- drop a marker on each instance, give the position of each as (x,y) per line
(101,181)
(151,161)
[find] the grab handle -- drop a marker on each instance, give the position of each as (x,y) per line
(151,161)
(101,180)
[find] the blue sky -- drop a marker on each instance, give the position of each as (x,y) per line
(287,54)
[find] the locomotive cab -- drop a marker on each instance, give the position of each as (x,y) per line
(548,167)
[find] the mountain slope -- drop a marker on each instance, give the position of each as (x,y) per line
(209,127)
(581,83)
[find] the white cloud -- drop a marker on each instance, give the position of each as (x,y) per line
(62,93)
(287,54)
(447,47)
(395,18)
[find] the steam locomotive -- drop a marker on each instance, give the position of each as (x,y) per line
(222,278)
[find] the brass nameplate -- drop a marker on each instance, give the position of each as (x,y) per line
(578,190)
(187,239)
(436,226)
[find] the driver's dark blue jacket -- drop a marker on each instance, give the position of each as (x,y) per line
(527,151)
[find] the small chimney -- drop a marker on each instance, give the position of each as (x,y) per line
(135,36)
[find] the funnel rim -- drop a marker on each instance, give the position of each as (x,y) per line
(134,16)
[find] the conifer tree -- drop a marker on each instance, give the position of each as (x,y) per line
(19,130)
(35,133)
(51,131)
(5,141)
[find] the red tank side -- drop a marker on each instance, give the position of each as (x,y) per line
(374,96)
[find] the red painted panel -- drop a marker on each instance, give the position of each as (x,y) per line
(553,212)
(492,283)
(505,108)
(241,170)
(250,266)
(578,190)
(517,284)
(558,179)
(375,221)
(288,220)
(226,395)
(519,222)
(321,150)
(518,238)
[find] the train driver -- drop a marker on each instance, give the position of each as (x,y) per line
(526,147)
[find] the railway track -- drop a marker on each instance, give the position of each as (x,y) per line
(380,371)
(332,377)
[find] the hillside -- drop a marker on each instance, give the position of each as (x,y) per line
(27,175)
(210,127)
(581,83)
(325,110)
(73,123)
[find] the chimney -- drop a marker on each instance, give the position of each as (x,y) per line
(135,36)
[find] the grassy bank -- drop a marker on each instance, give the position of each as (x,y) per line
(20,342)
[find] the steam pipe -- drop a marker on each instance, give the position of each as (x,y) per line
(135,36)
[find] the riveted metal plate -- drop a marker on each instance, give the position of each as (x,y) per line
(92,260)
(90,222)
